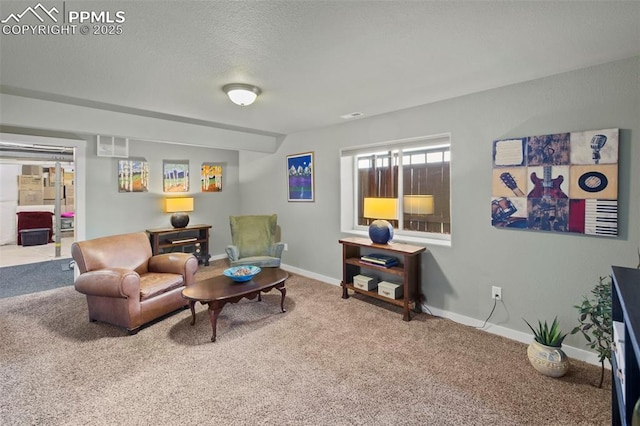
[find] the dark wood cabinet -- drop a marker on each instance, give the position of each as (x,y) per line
(190,239)
(407,271)
(625,389)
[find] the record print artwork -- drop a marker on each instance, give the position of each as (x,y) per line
(566,182)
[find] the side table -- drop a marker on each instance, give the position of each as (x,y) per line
(194,238)
(408,271)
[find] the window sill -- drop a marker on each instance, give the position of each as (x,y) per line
(405,238)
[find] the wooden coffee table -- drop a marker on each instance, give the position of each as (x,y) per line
(218,291)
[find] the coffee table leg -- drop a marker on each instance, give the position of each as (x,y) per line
(214,311)
(192,304)
(282,290)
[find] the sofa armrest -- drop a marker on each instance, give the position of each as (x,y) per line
(232,252)
(184,264)
(276,250)
(110,282)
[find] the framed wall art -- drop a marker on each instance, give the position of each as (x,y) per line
(566,182)
(300,179)
(133,176)
(211,177)
(175,176)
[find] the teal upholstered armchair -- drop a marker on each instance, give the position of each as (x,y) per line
(255,241)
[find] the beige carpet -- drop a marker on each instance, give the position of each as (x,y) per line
(326,361)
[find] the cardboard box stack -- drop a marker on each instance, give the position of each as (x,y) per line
(36,186)
(70,197)
(30,186)
(49,195)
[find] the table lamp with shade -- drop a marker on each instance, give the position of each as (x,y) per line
(179,206)
(417,205)
(381,209)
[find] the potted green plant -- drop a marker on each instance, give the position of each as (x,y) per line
(596,322)
(545,352)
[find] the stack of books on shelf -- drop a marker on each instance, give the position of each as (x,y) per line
(180,240)
(379,260)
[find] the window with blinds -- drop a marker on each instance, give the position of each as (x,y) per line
(415,173)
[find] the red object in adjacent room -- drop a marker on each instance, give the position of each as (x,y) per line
(35,220)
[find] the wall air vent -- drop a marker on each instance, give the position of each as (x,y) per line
(112,146)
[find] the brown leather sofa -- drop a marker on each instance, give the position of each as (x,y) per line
(127,286)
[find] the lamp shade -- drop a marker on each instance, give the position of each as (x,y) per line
(418,204)
(179,207)
(174,205)
(381,208)
(381,231)
(241,94)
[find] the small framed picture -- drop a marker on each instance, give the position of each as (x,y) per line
(211,177)
(176,176)
(133,176)
(300,179)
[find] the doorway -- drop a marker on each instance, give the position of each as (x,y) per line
(21,154)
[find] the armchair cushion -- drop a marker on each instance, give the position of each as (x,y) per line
(153,284)
(253,235)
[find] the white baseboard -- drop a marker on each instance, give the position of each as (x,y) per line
(572,352)
(519,336)
(217,257)
(311,275)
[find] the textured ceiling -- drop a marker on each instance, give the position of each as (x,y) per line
(314,60)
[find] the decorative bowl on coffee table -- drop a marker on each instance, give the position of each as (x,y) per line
(241,273)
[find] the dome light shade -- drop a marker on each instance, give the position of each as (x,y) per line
(241,94)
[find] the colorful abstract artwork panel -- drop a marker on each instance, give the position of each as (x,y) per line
(133,176)
(176,176)
(210,177)
(566,182)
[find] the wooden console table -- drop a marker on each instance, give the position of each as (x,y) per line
(195,237)
(408,270)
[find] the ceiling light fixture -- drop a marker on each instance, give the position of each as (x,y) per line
(241,94)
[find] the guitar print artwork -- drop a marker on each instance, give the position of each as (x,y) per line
(546,211)
(547,187)
(511,183)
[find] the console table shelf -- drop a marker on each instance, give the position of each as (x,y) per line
(194,237)
(625,393)
(397,302)
(394,270)
(408,270)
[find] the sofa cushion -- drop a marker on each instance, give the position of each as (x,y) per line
(153,284)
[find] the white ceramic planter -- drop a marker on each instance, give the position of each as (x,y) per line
(547,360)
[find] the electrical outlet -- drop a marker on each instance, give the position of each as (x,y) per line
(286,247)
(496,292)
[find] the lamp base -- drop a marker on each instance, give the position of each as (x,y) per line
(380,231)
(179,220)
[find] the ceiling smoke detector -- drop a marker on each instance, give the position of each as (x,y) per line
(352,115)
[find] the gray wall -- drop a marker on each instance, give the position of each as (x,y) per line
(111,212)
(542,274)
